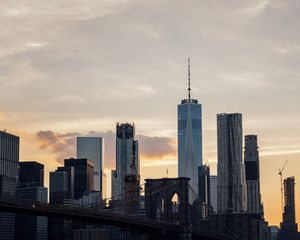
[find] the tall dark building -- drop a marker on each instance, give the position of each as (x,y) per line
(83,175)
(9,163)
(61,192)
(251,158)
(62,185)
(289,227)
(204,189)
(31,172)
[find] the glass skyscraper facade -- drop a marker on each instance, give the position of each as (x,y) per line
(92,148)
(189,140)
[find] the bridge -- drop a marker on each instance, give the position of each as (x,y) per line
(151,227)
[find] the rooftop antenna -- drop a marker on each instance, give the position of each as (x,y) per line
(189,79)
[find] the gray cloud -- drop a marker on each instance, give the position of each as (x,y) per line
(64,145)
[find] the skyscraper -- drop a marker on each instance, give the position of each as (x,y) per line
(232,192)
(9,163)
(204,189)
(289,227)
(83,175)
(214,192)
(61,192)
(251,157)
(92,148)
(31,172)
(61,184)
(189,137)
(127,157)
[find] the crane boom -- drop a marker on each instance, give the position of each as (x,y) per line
(281,184)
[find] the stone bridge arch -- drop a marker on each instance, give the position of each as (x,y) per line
(166,188)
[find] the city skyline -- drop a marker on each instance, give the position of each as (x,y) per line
(73,79)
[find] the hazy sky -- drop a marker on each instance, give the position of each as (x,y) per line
(75,67)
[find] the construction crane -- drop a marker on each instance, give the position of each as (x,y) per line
(281,184)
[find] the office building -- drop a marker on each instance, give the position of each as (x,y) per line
(9,163)
(114,184)
(251,158)
(127,158)
(92,148)
(214,192)
(61,185)
(31,172)
(61,192)
(232,191)
(83,175)
(189,138)
(289,227)
(204,190)
(31,227)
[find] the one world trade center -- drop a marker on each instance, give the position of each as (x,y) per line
(189,137)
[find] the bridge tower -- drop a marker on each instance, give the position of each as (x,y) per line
(159,205)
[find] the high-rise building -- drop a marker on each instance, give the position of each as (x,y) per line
(27,226)
(9,163)
(204,189)
(31,172)
(61,185)
(189,138)
(83,175)
(232,190)
(213,192)
(289,227)
(61,192)
(114,187)
(251,158)
(9,155)
(127,157)
(92,148)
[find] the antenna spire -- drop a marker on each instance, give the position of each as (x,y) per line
(189,79)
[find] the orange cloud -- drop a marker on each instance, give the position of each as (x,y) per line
(63,145)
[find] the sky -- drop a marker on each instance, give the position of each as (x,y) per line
(75,68)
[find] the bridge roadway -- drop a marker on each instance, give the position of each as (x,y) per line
(102,216)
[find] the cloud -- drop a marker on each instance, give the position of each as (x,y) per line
(156,147)
(63,145)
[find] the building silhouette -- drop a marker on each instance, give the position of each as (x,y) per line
(9,163)
(92,148)
(289,227)
(31,172)
(31,227)
(213,192)
(189,138)
(62,185)
(204,190)
(251,158)
(83,175)
(232,192)
(61,192)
